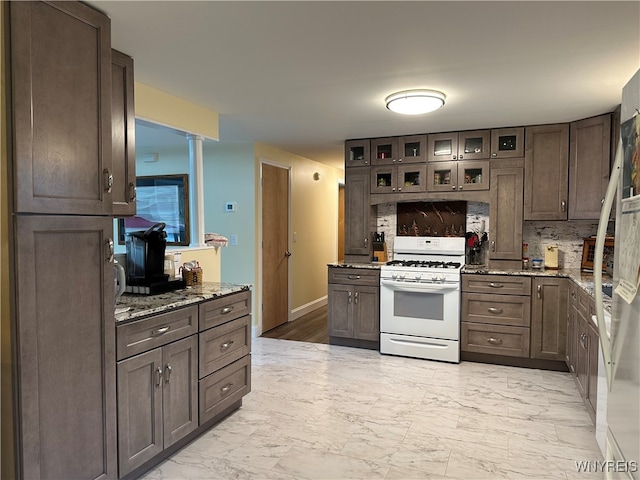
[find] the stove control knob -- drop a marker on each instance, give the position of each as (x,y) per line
(442,279)
(434,278)
(402,275)
(418,276)
(394,275)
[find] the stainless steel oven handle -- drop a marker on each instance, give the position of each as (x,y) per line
(419,287)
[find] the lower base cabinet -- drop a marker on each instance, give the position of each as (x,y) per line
(157,401)
(354,307)
(178,373)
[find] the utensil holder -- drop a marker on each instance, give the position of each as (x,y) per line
(192,277)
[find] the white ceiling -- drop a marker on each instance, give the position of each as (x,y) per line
(305,76)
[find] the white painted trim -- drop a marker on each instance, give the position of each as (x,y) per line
(308,307)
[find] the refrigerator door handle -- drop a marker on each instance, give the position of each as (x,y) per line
(605,341)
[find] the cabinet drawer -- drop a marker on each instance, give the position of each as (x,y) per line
(354,276)
(495,339)
(224,387)
(221,310)
(496,284)
(224,344)
(496,309)
(152,332)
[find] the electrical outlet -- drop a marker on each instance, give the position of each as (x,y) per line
(233,239)
(295,237)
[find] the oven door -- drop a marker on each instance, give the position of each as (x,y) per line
(420,309)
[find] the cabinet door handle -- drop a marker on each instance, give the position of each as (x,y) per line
(399,160)
(110,251)
(539,291)
(158,376)
(494,341)
(493,245)
(495,310)
(224,390)
(356,298)
(354,277)
(496,285)
(366,242)
(160,331)
(453,187)
(133,192)
(167,374)
(460,157)
(108,180)
(226,345)
(454,157)
(459,187)
(350,297)
(563,206)
(226,310)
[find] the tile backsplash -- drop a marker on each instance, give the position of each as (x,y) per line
(567,235)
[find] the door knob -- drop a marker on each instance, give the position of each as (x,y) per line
(287,254)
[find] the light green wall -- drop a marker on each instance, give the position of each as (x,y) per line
(229,176)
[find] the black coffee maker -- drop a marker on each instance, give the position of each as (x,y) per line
(145,256)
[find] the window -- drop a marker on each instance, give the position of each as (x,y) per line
(161,198)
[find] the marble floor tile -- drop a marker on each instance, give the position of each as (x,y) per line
(330,413)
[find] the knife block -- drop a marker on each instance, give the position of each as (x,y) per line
(380,251)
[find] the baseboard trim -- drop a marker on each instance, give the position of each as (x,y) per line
(308,308)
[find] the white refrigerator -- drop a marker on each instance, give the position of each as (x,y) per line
(621,350)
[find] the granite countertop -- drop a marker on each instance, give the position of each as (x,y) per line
(138,306)
(372,265)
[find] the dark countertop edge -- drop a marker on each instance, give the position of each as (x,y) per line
(371,265)
(146,305)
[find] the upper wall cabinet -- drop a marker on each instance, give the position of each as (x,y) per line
(391,151)
(507,142)
(61,98)
(471,145)
(545,172)
(384,151)
(589,151)
(356,153)
(123,135)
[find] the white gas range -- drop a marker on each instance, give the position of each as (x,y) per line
(420,298)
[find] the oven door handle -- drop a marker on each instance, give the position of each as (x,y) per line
(419,287)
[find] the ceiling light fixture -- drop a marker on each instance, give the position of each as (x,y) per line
(415,102)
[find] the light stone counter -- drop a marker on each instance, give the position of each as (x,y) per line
(371,265)
(138,306)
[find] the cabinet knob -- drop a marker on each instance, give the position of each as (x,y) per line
(399,160)
(453,187)
(454,157)
(563,206)
(460,157)
(494,154)
(133,192)
(459,187)
(493,245)
(399,189)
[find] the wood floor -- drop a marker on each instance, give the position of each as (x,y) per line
(311,327)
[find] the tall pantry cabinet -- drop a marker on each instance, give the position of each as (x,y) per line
(63,323)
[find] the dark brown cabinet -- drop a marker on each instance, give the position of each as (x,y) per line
(505,211)
(548,318)
(457,176)
(64,338)
(123,158)
(158,388)
(398,178)
(507,142)
(468,145)
(583,343)
(495,315)
(357,153)
(354,313)
(357,212)
(589,166)
(545,172)
(61,97)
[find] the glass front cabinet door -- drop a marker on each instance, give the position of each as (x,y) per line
(384,151)
(412,149)
(442,176)
(473,175)
(442,147)
(473,145)
(356,153)
(507,142)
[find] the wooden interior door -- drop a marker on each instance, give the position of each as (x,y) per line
(275,246)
